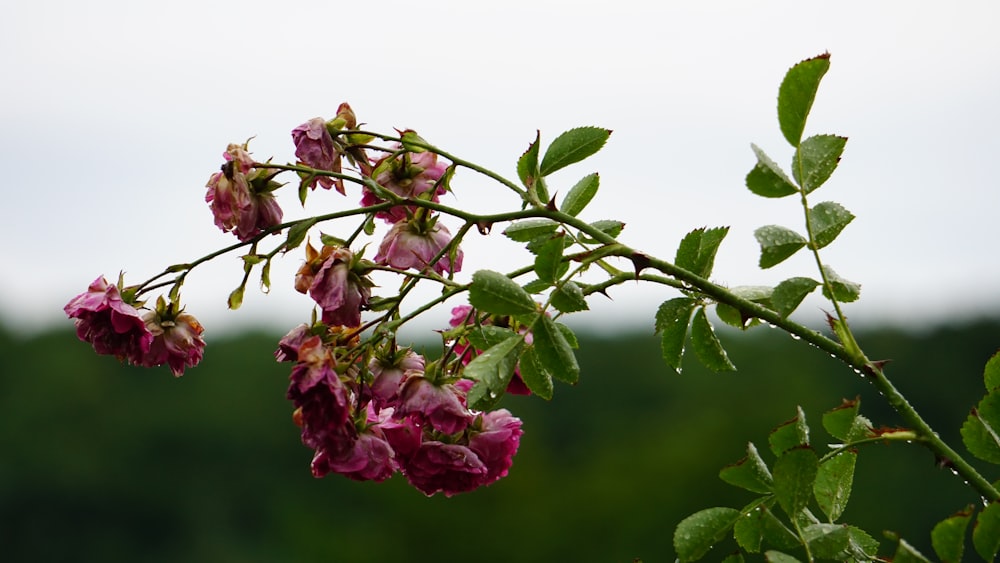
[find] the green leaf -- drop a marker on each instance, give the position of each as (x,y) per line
(527,165)
(530,229)
(778,557)
(580,195)
(487,336)
(844,290)
(672,319)
(297,233)
(863,547)
(906,553)
(794,475)
(789,434)
(706,344)
(538,380)
(569,335)
(750,473)
(696,534)
(495,293)
(760,294)
(492,370)
(777,243)
(568,298)
(796,95)
(981,431)
(788,295)
(828,219)
(549,265)
(948,536)
(536,286)
(767,179)
(816,159)
(697,250)
(554,352)
(844,423)
(986,532)
(610,227)
(749,531)
(833,483)
(573,146)
(991,374)
(828,541)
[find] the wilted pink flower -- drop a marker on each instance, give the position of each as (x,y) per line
(176,340)
(110,324)
(240,197)
(413,244)
(496,442)
(337,284)
(288,346)
(428,403)
(448,468)
(322,399)
(409,175)
(389,373)
(314,147)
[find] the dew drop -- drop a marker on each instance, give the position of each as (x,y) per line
(795,336)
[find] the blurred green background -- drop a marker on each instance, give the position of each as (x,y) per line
(102,462)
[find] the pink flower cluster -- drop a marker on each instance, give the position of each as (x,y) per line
(241,197)
(397,414)
(114,326)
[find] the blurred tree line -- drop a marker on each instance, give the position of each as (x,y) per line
(102,462)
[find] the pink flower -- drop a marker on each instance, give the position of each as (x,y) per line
(430,404)
(108,323)
(314,147)
(288,346)
(496,443)
(176,340)
(322,399)
(389,373)
(370,457)
(411,244)
(409,175)
(448,468)
(240,197)
(337,284)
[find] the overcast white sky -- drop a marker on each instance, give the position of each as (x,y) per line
(115,113)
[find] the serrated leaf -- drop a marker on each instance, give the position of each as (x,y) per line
(840,420)
(495,293)
(750,473)
(527,165)
(789,434)
(580,195)
(981,431)
(767,179)
(330,240)
(568,298)
(697,250)
(906,553)
(610,227)
(772,556)
(788,295)
(986,532)
(816,159)
(828,541)
(569,335)
(492,370)
(672,320)
(777,243)
(863,547)
(530,229)
(536,286)
(573,146)
(828,219)
(486,336)
(794,475)
(796,95)
(696,534)
(833,484)
(748,531)
(844,290)
(706,344)
(760,294)
(554,352)
(991,373)
(548,259)
(948,536)
(535,377)
(297,233)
